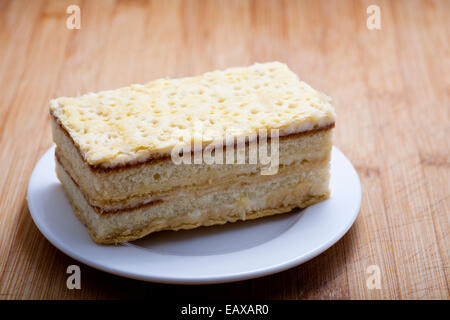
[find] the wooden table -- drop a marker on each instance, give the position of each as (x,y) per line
(391,89)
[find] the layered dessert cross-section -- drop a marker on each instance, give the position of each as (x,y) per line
(173,154)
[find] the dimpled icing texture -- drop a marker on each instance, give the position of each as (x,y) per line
(138,122)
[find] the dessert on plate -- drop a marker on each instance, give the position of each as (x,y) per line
(173,154)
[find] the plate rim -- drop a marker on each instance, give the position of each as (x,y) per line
(232,277)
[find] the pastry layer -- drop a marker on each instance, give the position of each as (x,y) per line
(246,201)
(301,169)
(151,181)
(140,122)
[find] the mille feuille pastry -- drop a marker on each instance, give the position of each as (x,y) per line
(125,157)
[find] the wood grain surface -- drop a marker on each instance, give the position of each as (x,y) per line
(390,87)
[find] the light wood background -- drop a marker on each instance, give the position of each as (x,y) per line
(390,87)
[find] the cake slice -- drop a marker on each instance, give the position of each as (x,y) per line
(176,154)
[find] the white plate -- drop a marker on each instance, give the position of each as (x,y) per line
(231,252)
